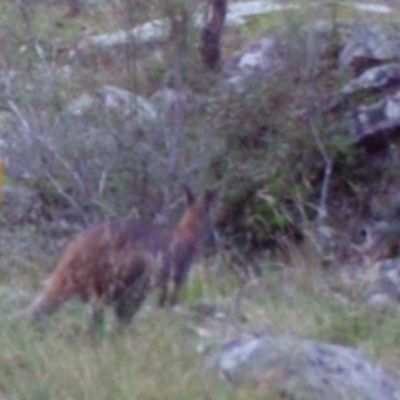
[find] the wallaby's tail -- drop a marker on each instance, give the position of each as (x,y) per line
(44,304)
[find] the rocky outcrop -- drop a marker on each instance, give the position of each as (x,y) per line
(367,106)
(375,125)
(370,53)
(111,98)
(369,46)
(263,59)
(158,30)
(304,369)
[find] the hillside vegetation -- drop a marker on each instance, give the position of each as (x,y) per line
(78,152)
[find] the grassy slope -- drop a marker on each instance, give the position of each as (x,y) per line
(157,357)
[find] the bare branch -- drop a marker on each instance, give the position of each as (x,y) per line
(156,157)
(65,195)
(30,132)
(322,208)
(19,115)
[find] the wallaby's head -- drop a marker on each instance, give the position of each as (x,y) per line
(198,216)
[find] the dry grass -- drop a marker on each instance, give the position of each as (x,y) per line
(158,356)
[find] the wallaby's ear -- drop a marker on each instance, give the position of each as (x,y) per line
(190,198)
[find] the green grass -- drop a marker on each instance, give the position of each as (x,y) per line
(157,356)
(155,359)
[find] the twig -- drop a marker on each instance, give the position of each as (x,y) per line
(64,194)
(322,208)
(156,157)
(47,146)
(102,181)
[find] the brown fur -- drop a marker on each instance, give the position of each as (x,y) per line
(115,264)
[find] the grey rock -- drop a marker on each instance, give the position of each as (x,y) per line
(376,124)
(268,56)
(305,369)
(238,12)
(158,30)
(237,15)
(369,46)
(376,78)
(81,105)
(380,301)
(112,98)
(263,59)
(127,103)
(372,8)
(148,32)
(166,100)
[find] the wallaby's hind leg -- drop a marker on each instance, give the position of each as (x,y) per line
(163,280)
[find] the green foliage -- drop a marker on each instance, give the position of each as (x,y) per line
(255,143)
(155,361)
(341,145)
(353,325)
(273,163)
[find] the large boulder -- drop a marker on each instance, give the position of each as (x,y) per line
(114,99)
(369,46)
(268,56)
(375,125)
(376,78)
(166,101)
(304,369)
(263,59)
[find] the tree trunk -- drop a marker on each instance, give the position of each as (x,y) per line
(211,34)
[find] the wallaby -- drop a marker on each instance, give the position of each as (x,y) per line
(116,264)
